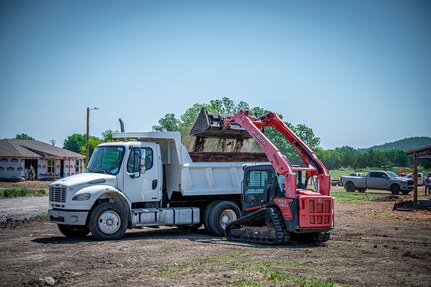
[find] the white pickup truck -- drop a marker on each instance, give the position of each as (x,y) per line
(378,179)
(420,180)
(150,181)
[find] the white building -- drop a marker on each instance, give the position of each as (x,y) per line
(48,161)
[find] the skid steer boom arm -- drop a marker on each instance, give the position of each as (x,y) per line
(314,166)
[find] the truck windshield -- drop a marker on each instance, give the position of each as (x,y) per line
(106,159)
(392,174)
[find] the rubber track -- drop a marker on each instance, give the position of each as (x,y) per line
(245,229)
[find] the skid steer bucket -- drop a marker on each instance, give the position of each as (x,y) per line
(209,125)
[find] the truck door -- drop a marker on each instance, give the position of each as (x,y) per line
(143,186)
(378,180)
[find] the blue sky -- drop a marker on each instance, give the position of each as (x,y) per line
(357,72)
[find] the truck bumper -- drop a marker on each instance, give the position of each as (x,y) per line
(409,188)
(67,217)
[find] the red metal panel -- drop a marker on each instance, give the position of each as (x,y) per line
(315,212)
(283,204)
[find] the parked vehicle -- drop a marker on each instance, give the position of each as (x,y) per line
(378,179)
(148,182)
(420,180)
(340,182)
(278,202)
(357,174)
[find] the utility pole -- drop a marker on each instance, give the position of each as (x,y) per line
(88,135)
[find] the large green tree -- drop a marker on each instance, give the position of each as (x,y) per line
(74,142)
(107,135)
(23,137)
(168,123)
(92,143)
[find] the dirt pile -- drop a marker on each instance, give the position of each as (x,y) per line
(390,197)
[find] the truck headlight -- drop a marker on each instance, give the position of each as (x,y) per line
(82,196)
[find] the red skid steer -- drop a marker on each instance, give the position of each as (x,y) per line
(280,202)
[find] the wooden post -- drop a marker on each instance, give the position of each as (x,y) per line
(69,166)
(415,182)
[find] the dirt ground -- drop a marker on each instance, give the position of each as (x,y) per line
(31,184)
(370,246)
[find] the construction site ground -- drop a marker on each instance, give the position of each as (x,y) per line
(371,245)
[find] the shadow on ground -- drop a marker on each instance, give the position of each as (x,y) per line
(200,236)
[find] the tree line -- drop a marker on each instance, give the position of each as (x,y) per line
(348,157)
(342,157)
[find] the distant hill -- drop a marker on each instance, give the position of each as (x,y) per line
(404,144)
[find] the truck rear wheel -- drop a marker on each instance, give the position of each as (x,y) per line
(206,216)
(73,231)
(108,221)
(395,189)
(349,186)
(222,213)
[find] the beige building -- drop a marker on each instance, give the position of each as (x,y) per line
(48,161)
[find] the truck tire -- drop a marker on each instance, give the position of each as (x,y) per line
(221,214)
(349,186)
(108,221)
(73,231)
(362,190)
(395,188)
(206,216)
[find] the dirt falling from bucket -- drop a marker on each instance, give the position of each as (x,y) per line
(217,145)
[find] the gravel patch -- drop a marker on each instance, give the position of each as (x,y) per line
(22,207)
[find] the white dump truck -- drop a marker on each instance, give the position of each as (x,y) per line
(147,179)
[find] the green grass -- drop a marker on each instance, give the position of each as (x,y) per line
(18,192)
(251,273)
(163,271)
(247,283)
(303,282)
(354,197)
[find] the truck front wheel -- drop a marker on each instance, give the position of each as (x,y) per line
(395,189)
(108,221)
(349,186)
(73,231)
(222,213)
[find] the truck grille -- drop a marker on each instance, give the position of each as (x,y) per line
(410,182)
(57,194)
